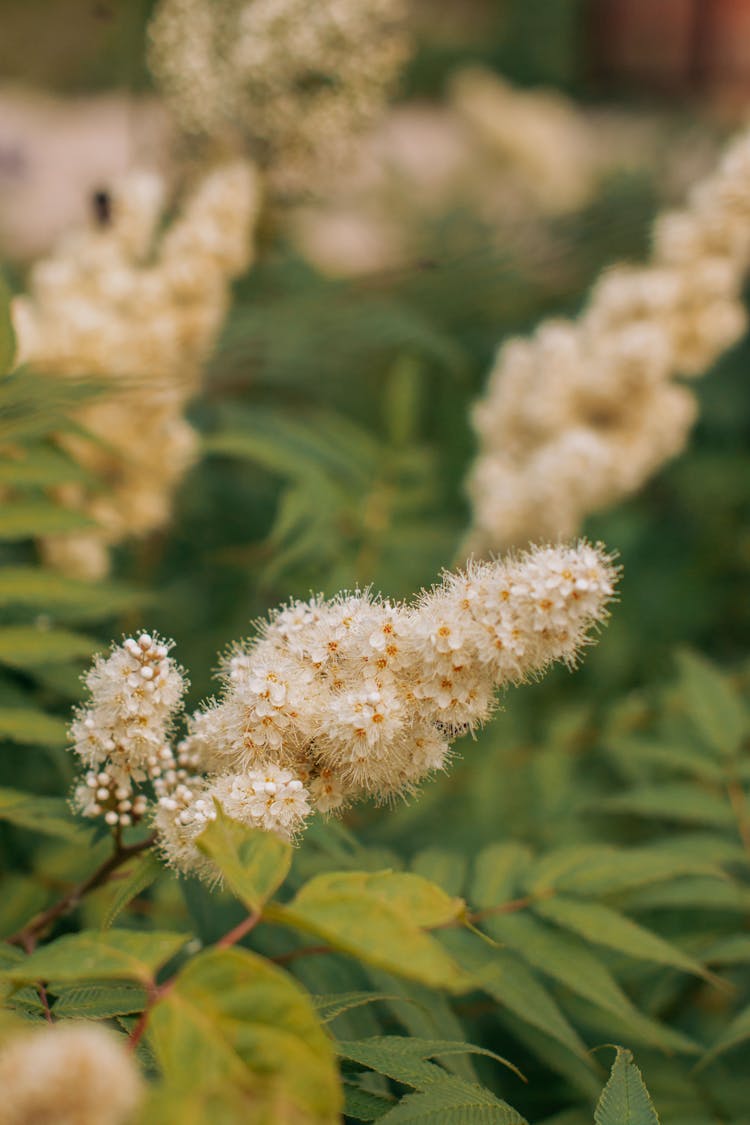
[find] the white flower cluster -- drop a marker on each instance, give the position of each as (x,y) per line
(141,313)
(72,1073)
(542,139)
(123,736)
(356,696)
(583,412)
(297,80)
(271,798)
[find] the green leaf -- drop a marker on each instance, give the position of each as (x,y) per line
(380,918)
(91,955)
(694,894)
(674,801)
(23,646)
(453,1102)
(26,519)
(615,870)
(498,871)
(233,1019)
(21,897)
(546,872)
(30,727)
(34,588)
(625,1099)
(604,926)
(568,1117)
(11,1024)
(715,709)
(731,950)
(425,1014)
(402,400)
(404,1058)
(737,1032)
(49,815)
(580,1073)
(329,1007)
(9,955)
(7,335)
(27,1003)
(99,1002)
(567,960)
(177,1104)
(447,869)
(364,1105)
(630,750)
(39,465)
(129,881)
(507,979)
(253,862)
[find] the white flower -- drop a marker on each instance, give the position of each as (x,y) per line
(72,1073)
(332,701)
(583,412)
(141,312)
(123,735)
(299,80)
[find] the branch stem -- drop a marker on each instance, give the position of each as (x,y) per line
(239,931)
(29,935)
(157,992)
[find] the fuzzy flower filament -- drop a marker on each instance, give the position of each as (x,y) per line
(338,700)
(122,737)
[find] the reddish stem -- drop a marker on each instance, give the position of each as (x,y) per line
(304,951)
(33,930)
(45,1002)
(504,908)
(158,992)
(155,994)
(240,931)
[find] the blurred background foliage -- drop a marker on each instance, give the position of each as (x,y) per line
(336,438)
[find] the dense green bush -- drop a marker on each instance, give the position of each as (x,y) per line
(578,882)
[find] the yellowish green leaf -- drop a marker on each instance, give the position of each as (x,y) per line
(716,710)
(254,863)
(68,598)
(381,918)
(234,1021)
(25,519)
(91,955)
(24,646)
(7,335)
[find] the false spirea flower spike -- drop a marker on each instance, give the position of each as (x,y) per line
(71,1073)
(582,413)
(332,700)
(298,82)
(140,310)
(123,736)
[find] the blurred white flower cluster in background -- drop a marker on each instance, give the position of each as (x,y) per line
(583,412)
